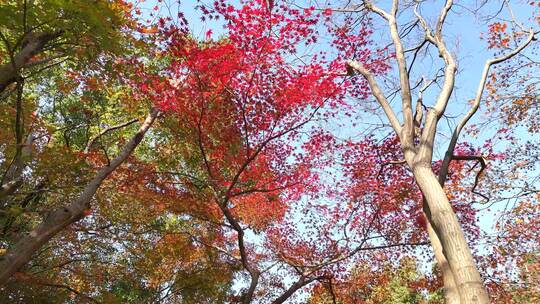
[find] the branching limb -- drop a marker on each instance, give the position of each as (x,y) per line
(476,104)
(8,93)
(217,248)
(37,281)
(427,139)
(42,61)
(254,273)
(13,177)
(32,45)
(331,291)
(377,92)
(396,162)
(23,250)
(480,160)
(301,282)
(107,130)
(420,107)
(407,132)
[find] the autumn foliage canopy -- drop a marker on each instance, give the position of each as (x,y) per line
(265,151)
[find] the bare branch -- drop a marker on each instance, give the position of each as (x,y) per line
(442,17)
(427,30)
(377,92)
(425,151)
(476,104)
(480,160)
(370,6)
(407,132)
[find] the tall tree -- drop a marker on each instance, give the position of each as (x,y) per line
(245,190)
(41,38)
(417,133)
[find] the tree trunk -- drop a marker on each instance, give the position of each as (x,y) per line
(22,251)
(451,294)
(454,245)
(33,44)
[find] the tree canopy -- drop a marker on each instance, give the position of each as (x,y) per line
(265,151)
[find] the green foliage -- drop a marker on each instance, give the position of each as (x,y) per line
(88,26)
(126,292)
(391,284)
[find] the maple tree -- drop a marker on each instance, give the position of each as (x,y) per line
(243,191)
